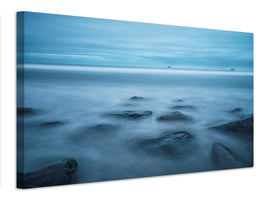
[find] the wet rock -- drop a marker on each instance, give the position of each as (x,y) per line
(103,128)
(25,111)
(224,158)
(236,110)
(242,128)
(57,174)
(137,98)
(183,107)
(50,124)
(175,116)
(174,144)
(131,114)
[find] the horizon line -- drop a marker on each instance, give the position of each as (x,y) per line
(136,67)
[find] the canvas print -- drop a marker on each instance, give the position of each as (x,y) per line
(101,100)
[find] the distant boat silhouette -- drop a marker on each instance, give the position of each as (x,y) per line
(169,67)
(232,69)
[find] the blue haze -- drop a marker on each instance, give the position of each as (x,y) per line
(59,39)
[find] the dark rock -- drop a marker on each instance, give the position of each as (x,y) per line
(174,144)
(242,128)
(183,107)
(136,98)
(49,124)
(132,114)
(224,158)
(25,111)
(103,128)
(175,116)
(178,100)
(57,174)
(236,110)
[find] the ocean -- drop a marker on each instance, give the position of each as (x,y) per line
(81,99)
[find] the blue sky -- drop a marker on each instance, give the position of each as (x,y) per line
(60,39)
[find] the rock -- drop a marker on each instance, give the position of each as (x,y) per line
(242,128)
(232,69)
(183,107)
(178,100)
(175,116)
(128,104)
(57,174)
(174,144)
(136,98)
(25,111)
(49,124)
(224,158)
(236,110)
(103,128)
(97,133)
(131,114)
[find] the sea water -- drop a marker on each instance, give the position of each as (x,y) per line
(81,97)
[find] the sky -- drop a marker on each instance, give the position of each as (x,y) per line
(60,39)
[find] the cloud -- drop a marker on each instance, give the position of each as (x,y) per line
(89,41)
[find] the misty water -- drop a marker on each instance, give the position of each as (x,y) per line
(81,97)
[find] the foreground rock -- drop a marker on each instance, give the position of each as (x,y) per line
(175,116)
(242,128)
(131,114)
(174,144)
(224,158)
(57,174)
(50,124)
(25,111)
(136,98)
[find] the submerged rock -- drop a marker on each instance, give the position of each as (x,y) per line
(97,133)
(183,107)
(57,174)
(137,98)
(103,128)
(175,116)
(131,114)
(224,158)
(178,100)
(236,110)
(129,104)
(25,111)
(49,124)
(174,144)
(242,128)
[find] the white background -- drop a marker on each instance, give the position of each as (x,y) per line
(238,15)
